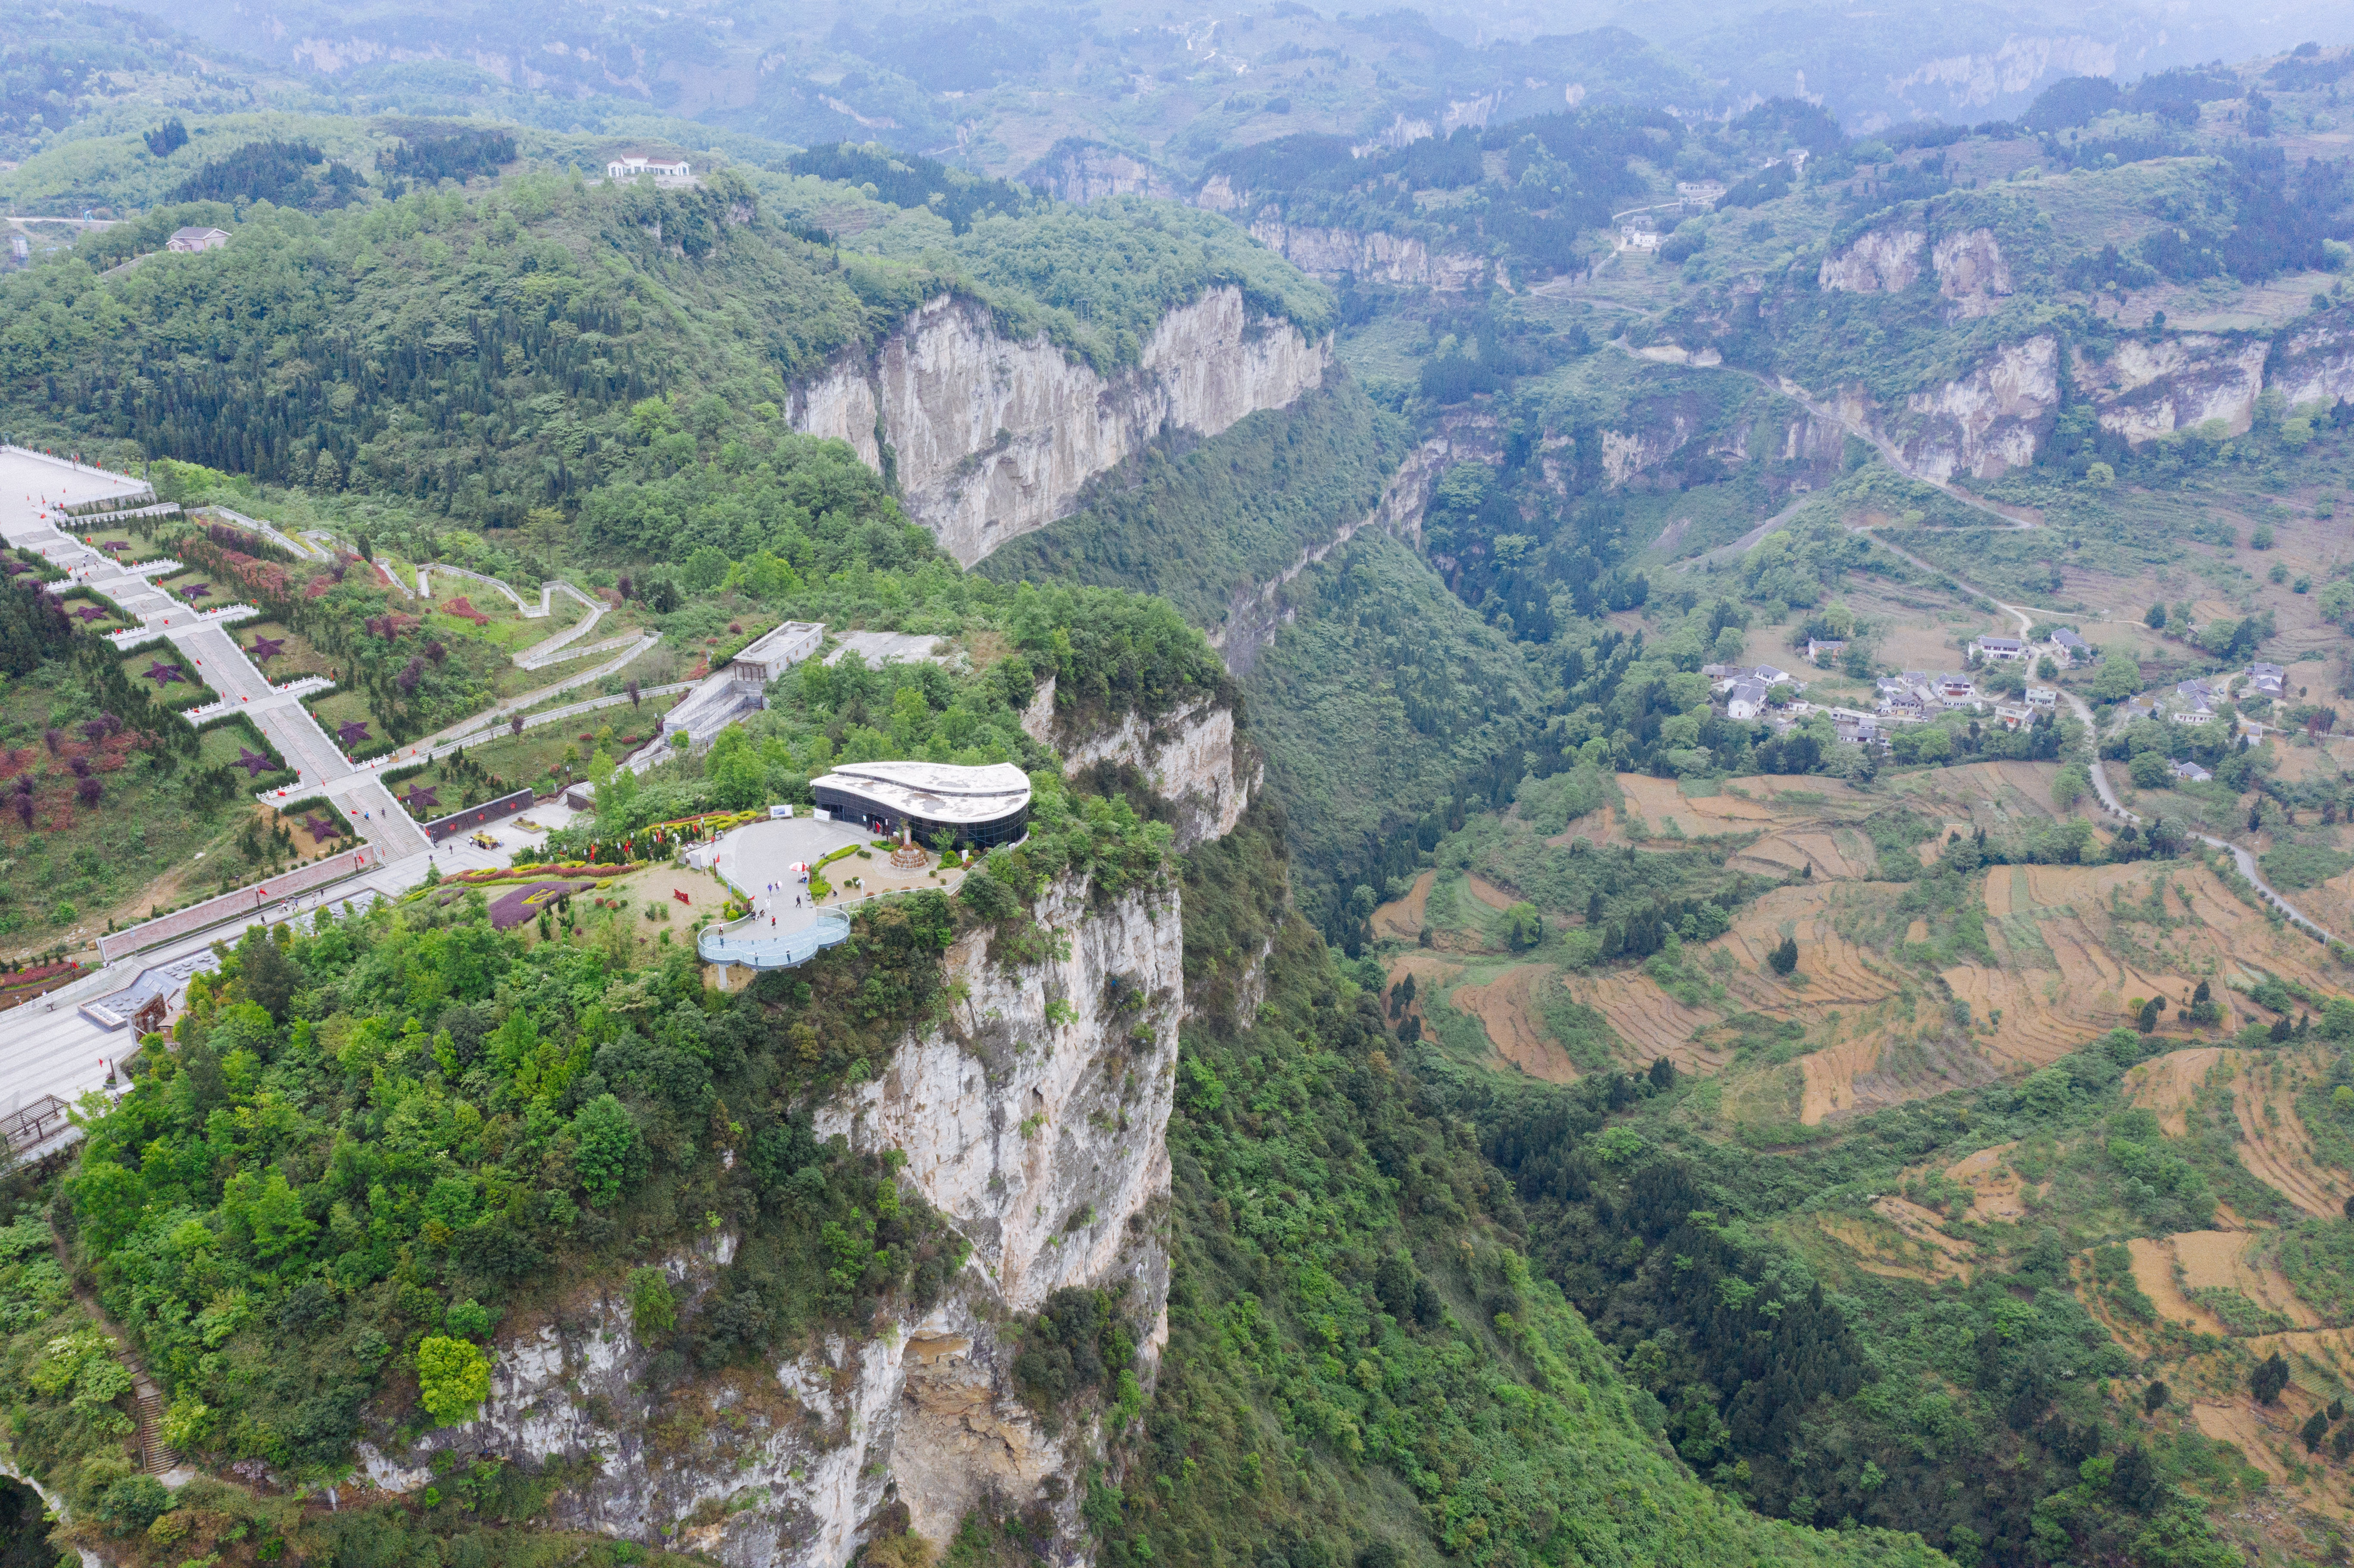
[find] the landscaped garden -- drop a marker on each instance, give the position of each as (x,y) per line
(93,612)
(98,822)
(279,652)
(551,754)
(350,722)
(235,742)
(169,677)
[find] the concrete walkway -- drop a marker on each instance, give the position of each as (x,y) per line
(48,1047)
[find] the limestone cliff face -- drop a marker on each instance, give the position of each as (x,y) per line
(1886,260)
(1034,1119)
(993,437)
(1192,757)
(1972,270)
(1987,421)
(2316,364)
(1372,257)
(1255,615)
(1969,266)
(2143,391)
(1085,172)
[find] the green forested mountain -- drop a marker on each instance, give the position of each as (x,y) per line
(1621,1116)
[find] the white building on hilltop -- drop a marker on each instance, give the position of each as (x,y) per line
(630,165)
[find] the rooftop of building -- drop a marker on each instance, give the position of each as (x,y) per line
(934,791)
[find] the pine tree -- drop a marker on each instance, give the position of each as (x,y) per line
(2267,1380)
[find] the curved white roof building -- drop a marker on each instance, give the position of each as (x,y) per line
(974,806)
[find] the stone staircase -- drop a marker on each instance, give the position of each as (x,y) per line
(155,1456)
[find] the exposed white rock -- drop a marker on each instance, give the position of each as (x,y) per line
(1034,1119)
(1404,259)
(1191,757)
(1626,453)
(1086,172)
(2318,364)
(1041,1140)
(1972,272)
(1886,260)
(1705,357)
(2148,389)
(1986,422)
(993,437)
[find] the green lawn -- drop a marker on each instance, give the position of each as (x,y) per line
(295,656)
(168,675)
(224,742)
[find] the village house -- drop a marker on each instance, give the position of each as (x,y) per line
(189,240)
(2011,715)
(2068,649)
(1955,689)
(2188,772)
(2268,679)
(2193,703)
(1820,648)
(1856,729)
(2042,698)
(1999,648)
(1747,700)
(1702,194)
(629,166)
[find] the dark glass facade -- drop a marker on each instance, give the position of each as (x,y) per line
(885,821)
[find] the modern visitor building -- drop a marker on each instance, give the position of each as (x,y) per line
(976,807)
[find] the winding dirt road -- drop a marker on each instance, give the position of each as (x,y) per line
(2025,616)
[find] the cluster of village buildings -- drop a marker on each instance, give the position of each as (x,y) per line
(1916,696)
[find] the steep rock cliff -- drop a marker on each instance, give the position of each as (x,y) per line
(2143,391)
(1083,171)
(1255,615)
(1968,264)
(1886,260)
(1034,1119)
(1192,758)
(1972,270)
(1985,421)
(1370,256)
(993,437)
(2316,364)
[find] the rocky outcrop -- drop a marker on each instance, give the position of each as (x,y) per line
(2148,389)
(1033,1118)
(1886,260)
(2316,364)
(993,437)
(1370,257)
(1983,423)
(1041,1140)
(1972,272)
(1192,757)
(1255,615)
(1085,172)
